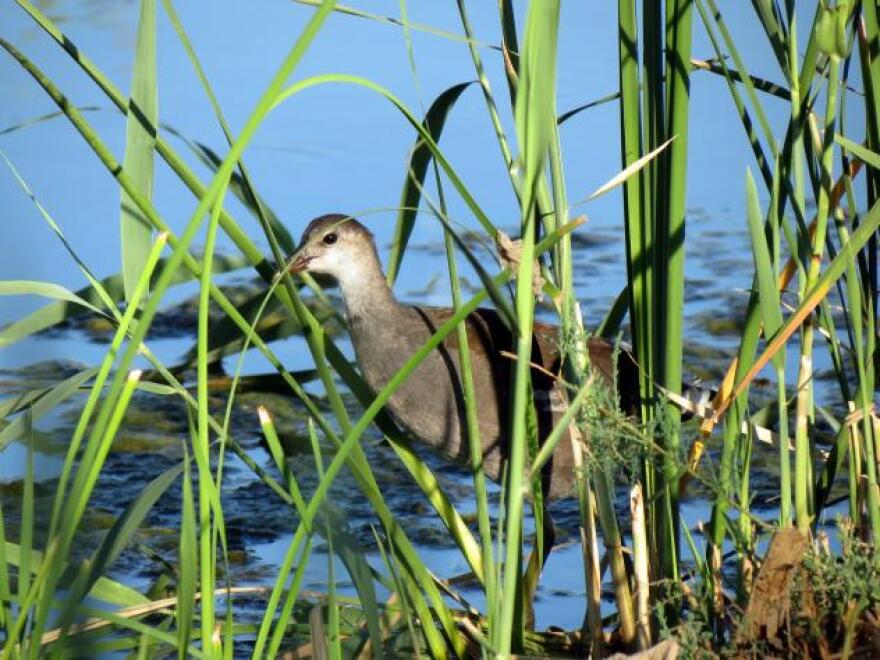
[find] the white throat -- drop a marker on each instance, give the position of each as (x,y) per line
(364,290)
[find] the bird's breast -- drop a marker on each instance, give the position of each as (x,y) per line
(425,402)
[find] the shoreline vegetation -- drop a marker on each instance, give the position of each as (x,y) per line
(762,577)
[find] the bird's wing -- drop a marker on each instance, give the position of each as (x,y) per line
(491,343)
(491,339)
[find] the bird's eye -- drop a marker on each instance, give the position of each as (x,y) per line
(330,238)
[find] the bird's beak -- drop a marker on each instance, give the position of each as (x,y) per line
(298,262)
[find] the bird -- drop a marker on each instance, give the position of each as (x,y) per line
(430,403)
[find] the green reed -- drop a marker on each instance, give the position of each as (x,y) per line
(654,87)
(837,248)
(807,149)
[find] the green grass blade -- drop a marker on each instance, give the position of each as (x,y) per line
(391,20)
(355,562)
(768,291)
(491,106)
(671,245)
(536,95)
(284,618)
(351,554)
(333,639)
(732,77)
(96,286)
(510,46)
(26,541)
(771,22)
(5,590)
(489,578)
(277,454)
(769,299)
(187,562)
(636,205)
(399,592)
(535,114)
(743,76)
(862,153)
(610,325)
(241,188)
(27,123)
(284,568)
(45,290)
(209,498)
(245,188)
(143,116)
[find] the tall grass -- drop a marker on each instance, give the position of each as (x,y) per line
(655,88)
(661,586)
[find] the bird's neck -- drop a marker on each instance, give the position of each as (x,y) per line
(367,296)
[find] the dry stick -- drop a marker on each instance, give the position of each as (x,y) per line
(759,433)
(640,565)
(592,570)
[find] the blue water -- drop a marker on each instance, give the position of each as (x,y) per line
(340,148)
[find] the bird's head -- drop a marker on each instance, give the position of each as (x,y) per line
(336,245)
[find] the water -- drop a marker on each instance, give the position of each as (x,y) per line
(339,148)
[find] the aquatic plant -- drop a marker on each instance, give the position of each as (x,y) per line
(667,580)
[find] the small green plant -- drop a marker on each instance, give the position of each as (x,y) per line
(836,597)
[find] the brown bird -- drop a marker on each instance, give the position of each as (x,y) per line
(430,403)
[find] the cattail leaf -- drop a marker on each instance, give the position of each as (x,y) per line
(416,169)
